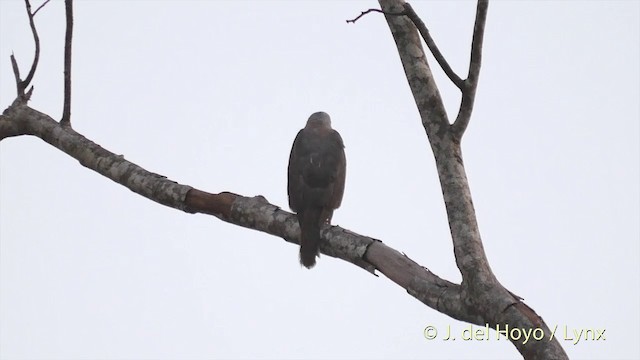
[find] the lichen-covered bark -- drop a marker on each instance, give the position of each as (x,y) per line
(250,212)
(480,292)
(468,249)
(92,155)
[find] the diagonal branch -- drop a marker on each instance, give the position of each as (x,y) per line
(40,7)
(23,84)
(66,109)
(431,44)
(250,212)
(471,83)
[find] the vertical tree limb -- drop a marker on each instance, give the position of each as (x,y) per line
(16,75)
(471,83)
(481,291)
(23,85)
(66,110)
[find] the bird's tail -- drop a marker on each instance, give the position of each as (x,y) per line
(309,236)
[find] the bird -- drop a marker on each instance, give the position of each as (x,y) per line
(315,181)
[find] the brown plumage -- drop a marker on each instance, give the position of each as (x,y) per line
(316,175)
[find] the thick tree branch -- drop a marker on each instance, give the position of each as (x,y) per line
(66,109)
(471,83)
(417,70)
(250,212)
(481,292)
(258,214)
(469,252)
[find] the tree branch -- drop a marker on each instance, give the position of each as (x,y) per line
(258,214)
(36,58)
(22,96)
(249,212)
(471,83)
(21,85)
(431,44)
(40,7)
(16,74)
(66,110)
(480,289)
(363,13)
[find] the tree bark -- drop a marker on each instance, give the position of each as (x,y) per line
(480,292)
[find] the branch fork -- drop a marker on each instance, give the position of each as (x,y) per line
(467,86)
(21,85)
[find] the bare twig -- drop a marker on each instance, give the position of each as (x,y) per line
(66,111)
(36,57)
(21,85)
(424,32)
(16,74)
(471,83)
(363,13)
(40,7)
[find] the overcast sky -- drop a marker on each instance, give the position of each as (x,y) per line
(212,93)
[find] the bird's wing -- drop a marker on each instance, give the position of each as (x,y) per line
(295,182)
(341,171)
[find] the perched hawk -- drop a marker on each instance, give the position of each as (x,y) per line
(317,169)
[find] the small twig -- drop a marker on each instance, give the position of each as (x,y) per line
(363,13)
(16,74)
(471,83)
(27,95)
(40,7)
(66,111)
(431,44)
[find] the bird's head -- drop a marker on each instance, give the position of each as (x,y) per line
(319,119)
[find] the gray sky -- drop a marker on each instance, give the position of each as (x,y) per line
(212,93)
